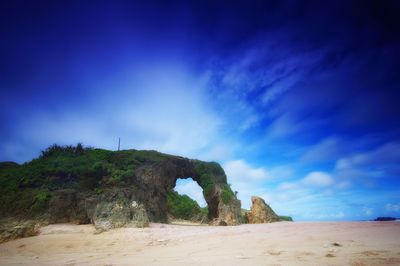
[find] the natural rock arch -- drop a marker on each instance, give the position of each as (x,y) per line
(145,198)
(109,188)
(223,206)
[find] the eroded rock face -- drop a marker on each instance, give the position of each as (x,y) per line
(116,207)
(11,228)
(71,206)
(161,178)
(260,212)
(119,209)
(140,199)
(227,214)
(145,200)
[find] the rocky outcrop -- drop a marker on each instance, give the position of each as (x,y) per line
(141,197)
(145,199)
(161,178)
(71,206)
(260,212)
(111,209)
(11,228)
(119,209)
(228,214)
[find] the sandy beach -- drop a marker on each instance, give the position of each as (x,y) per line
(282,243)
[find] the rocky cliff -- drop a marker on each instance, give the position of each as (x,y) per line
(260,212)
(108,188)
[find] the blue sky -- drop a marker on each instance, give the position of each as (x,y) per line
(297,100)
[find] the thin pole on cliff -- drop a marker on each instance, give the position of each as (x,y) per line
(119,143)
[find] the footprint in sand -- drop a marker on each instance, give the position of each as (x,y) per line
(274,253)
(373,252)
(307,254)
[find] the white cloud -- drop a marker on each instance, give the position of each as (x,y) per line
(284,126)
(171,114)
(249,122)
(164,109)
(386,154)
(318,179)
(267,198)
(287,186)
(327,149)
(247,190)
(246,180)
(239,170)
(393,207)
(281,172)
(343,185)
(368,167)
(216,152)
(279,88)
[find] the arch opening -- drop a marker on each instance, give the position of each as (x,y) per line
(222,205)
(186,202)
(190,187)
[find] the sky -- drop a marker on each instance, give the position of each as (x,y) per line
(297,100)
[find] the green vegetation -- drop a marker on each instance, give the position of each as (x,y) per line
(209,174)
(243,212)
(183,207)
(57,150)
(209,171)
(207,189)
(204,211)
(27,188)
(226,194)
(41,200)
(286,218)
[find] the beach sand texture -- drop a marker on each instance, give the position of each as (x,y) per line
(281,243)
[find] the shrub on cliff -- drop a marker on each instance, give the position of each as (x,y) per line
(23,187)
(286,218)
(183,207)
(227,194)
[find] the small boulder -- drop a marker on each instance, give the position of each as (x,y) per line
(13,228)
(260,212)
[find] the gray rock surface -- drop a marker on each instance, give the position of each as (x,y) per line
(119,209)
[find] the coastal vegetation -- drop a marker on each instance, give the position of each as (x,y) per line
(286,218)
(183,207)
(28,188)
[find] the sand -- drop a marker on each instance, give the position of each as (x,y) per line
(282,243)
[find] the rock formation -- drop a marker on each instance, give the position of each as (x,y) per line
(110,189)
(260,212)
